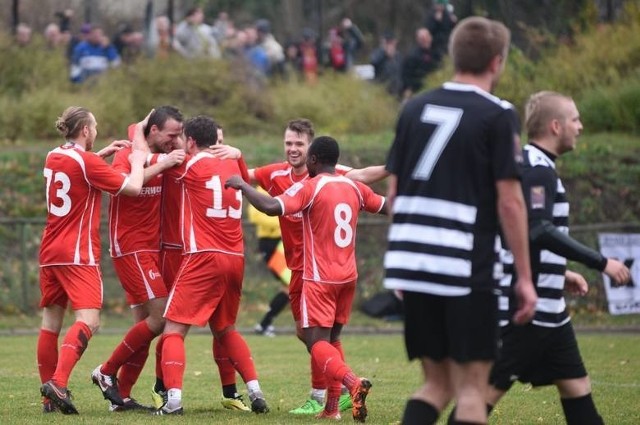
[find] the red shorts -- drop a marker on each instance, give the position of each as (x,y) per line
(295,293)
(208,286)
(140,277)
(324,304)
(170,260)
(80,284)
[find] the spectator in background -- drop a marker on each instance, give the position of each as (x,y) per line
(254,53)
(292,67)
(420,61)
(344,41)
(53,37)
(23,35)
(193,38)
(387,64)
(74,40)
(93,56)
(440,23)
(272,48)
(221,27)
(162,41)
(127,42)
(309,55)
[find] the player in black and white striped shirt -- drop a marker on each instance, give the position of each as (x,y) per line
(545,351)
(454,172)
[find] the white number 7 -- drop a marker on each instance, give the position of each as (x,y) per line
(446,120)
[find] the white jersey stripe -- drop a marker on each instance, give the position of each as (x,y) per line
(432,207)
(427,263)
(426,287)
(431,236)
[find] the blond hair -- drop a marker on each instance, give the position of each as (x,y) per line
(72,121)
(541,108)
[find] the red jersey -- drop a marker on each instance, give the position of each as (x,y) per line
(134,221)
(210,215)
(74,180)
(276,179)
(330,205)
(170,217)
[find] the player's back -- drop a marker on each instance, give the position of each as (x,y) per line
(74,179)
(211,214)
(330,221)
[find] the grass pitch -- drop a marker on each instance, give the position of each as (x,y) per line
(613,361)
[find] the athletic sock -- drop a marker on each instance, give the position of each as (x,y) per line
(225,368)
(47,354)
(138,336)
(328,360)
(581,410)
(75,342)
(173,360)
(317,375)
(131,370)
(418,412)
(230,391)
(240,355)
(333,397)
(338,346)
(159,376)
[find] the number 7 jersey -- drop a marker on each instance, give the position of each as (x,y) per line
(330,205)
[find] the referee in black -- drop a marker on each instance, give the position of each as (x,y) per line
(545,352)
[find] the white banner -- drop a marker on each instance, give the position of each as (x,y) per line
(626,248)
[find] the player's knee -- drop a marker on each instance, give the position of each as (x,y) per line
(156,324)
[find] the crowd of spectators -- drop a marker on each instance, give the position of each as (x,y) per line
(253,47)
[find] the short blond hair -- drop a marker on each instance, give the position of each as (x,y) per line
(541,108)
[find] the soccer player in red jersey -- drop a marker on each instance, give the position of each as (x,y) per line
(276,179)
(329,204)
(70,248)
(170,261)
(208,286)
(134,234)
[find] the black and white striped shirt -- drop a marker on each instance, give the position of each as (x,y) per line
(546,200)
(451,146)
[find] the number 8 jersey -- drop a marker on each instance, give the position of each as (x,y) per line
(74,181)
(330,205)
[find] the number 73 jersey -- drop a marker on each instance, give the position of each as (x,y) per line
(210,215)
(330,205)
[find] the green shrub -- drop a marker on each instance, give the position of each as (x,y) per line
(613,108)
(337,104)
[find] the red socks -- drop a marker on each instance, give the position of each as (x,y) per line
(239,354)
(225,367)
(137,339)
(173,360)
(75,342)
(328,360)
(47,354)
(130,371)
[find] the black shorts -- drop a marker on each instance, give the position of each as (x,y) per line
(461,328)
(537,355)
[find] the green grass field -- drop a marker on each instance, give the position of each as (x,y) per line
(612,360)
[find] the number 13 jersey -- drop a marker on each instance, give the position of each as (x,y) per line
(74,181)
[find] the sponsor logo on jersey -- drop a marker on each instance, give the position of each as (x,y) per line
(151,191)
(537,197)
(153,275)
